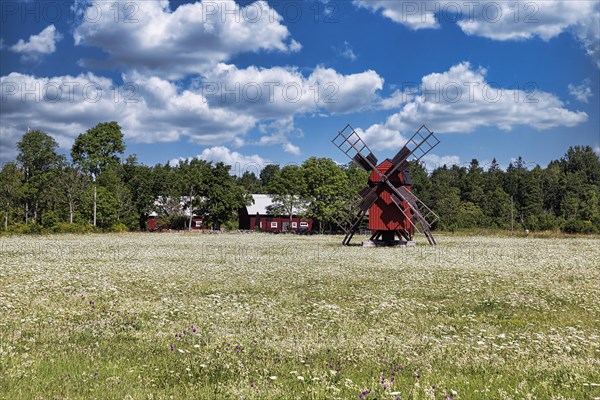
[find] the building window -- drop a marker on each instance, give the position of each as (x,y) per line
(294,225)
(273,224)
(304,224)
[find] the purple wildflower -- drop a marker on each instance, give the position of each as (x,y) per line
(172,346)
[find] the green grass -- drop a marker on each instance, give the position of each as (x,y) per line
(296,317)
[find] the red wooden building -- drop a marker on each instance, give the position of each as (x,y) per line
(384,215)
(256,217)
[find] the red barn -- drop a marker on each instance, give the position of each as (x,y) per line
(256,217)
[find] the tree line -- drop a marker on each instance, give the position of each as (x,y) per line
(100,189)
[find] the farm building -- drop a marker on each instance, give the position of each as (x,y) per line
(173,206)
(257,217)
(152,222)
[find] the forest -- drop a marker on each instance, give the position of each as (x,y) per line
(99,189)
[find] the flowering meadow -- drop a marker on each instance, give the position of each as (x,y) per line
(257,316)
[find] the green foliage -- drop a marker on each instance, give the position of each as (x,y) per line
(98,148)
(573,225)
(119,227)
(267,174)
(251,183)
(288,188)
(223,196)
(174,221)
(37,157)
(50,218)
(64,227)
(107,207)
(231,225)
(37,153)
(11,189)
(325,190)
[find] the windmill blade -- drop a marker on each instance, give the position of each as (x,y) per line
(421,143)
(421,213)
(397,201)
(367,163)
(369,196)
(347,214)
(421,220)
(348,141)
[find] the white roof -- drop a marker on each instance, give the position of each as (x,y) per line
(261,202)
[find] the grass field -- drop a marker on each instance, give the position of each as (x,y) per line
(159,316)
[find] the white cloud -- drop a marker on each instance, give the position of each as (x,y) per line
(38,45)
(461,101)
(279,92)
(415,15)
(345,51)
(597,149)
(433,161)
(292,149)
(501,20)
(189,40)
(239,163)
(148,109)
(381,137)
(397,99)
(152,109)
(581,92)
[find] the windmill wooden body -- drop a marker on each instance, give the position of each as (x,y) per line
(394,211)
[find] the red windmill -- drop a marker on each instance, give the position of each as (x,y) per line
(393,209)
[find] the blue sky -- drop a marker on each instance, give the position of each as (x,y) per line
(251,83)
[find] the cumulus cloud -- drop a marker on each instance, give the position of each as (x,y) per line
(152,109)
(501,20)
(581,92)
(151,38)
(461,100)
(239,163)
(38,45)
(149,110)
(282,91)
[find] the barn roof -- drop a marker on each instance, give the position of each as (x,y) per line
(261,202)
